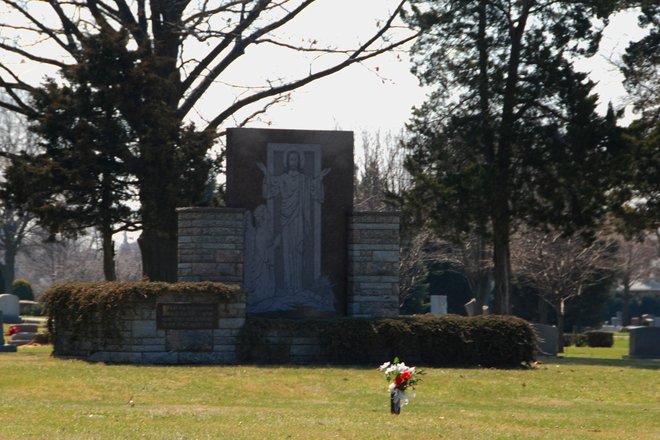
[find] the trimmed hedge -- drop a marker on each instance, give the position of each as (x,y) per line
(576,339)
(91,308)
(600,339)
(447,340)
(592,338)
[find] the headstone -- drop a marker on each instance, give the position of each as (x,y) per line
(616,321)
(645,342)
(635,321)
(471,307)
(656,321)
(609,328)
(4,348)
(646,319)
(439,304)
(297,189)
(9,305)
(25,334)
(548,339)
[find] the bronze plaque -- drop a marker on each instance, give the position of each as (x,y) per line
(187,316)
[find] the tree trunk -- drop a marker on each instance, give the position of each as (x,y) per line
(9,269)
(543,312)
(481,294)
(502,260)
(501,179)
(109,257)
(625,312)
(159,256)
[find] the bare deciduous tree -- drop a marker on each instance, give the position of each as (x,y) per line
(636,261)
(16,228)
(560,268)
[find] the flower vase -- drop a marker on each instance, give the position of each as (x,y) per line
(395,402)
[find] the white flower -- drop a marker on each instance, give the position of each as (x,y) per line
(384,366)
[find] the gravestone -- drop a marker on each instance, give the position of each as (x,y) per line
(10,307)
(548,339)
(296,187)
(4,348)
(26,334)
(645,342)
(471,307)
(439,304)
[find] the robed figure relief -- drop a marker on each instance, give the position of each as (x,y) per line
(283,236)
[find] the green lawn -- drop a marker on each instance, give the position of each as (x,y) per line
(588,393)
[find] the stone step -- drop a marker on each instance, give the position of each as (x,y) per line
(21,338)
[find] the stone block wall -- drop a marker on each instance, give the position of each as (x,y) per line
(211,249)
(143,341)
(373,258)
(279,345)
(211,244)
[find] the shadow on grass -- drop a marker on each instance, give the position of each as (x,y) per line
(651,364)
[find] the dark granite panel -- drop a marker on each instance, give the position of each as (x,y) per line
(266,170)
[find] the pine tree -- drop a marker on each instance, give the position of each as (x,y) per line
(510,134)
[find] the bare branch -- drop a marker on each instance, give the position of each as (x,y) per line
(70,30)
(278,99)
(353,59)
(236,52)
(49,32)
(32,57)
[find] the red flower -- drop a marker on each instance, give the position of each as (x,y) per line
(12,330)
(406,375)
(398,380)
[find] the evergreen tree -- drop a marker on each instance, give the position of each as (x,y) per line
(636,198)
(510,134)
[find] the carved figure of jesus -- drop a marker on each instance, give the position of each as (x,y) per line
(296,194)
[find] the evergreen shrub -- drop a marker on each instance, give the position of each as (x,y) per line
(23,290)
(576,339)
(447,340)
(600,339)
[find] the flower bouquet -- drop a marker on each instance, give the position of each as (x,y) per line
(401,377)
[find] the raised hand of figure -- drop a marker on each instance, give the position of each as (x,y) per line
(263,169)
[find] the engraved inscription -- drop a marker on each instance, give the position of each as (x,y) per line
(187,316)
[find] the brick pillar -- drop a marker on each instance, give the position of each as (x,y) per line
(373,259)
(211,244)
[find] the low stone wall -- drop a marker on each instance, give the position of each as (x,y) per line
(168,328)
(373,258)
(281,345)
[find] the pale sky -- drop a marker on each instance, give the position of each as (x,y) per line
(360,99)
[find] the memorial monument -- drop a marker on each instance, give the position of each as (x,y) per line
(289,234)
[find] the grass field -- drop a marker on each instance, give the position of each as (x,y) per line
(588,393)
